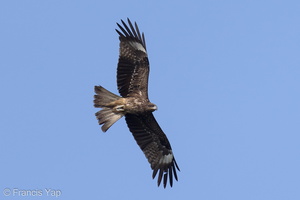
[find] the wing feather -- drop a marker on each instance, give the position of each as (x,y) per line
(171,175)
(133,30)
(155,145)
(133,65)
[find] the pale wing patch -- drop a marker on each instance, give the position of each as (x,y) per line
(166,159)
(138,46)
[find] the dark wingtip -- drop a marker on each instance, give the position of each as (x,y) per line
(154,173)
(165,179)
(120,34)
(171,176)
(130,31)
(165,174)
(159,177)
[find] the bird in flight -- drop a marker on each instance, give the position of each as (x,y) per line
(134,104)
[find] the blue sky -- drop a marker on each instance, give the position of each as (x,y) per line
(224,74)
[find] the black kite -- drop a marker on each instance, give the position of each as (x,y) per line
(132,80)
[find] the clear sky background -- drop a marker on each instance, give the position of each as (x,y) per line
(224,74)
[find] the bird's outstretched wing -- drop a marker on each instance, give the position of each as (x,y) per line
(133,65)
(155,145)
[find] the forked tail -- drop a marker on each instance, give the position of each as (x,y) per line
(106,116)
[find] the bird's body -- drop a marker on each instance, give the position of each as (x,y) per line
(134,104)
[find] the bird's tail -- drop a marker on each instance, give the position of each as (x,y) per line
(107,116)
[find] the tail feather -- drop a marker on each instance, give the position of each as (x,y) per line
(103,97)
(106,116)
